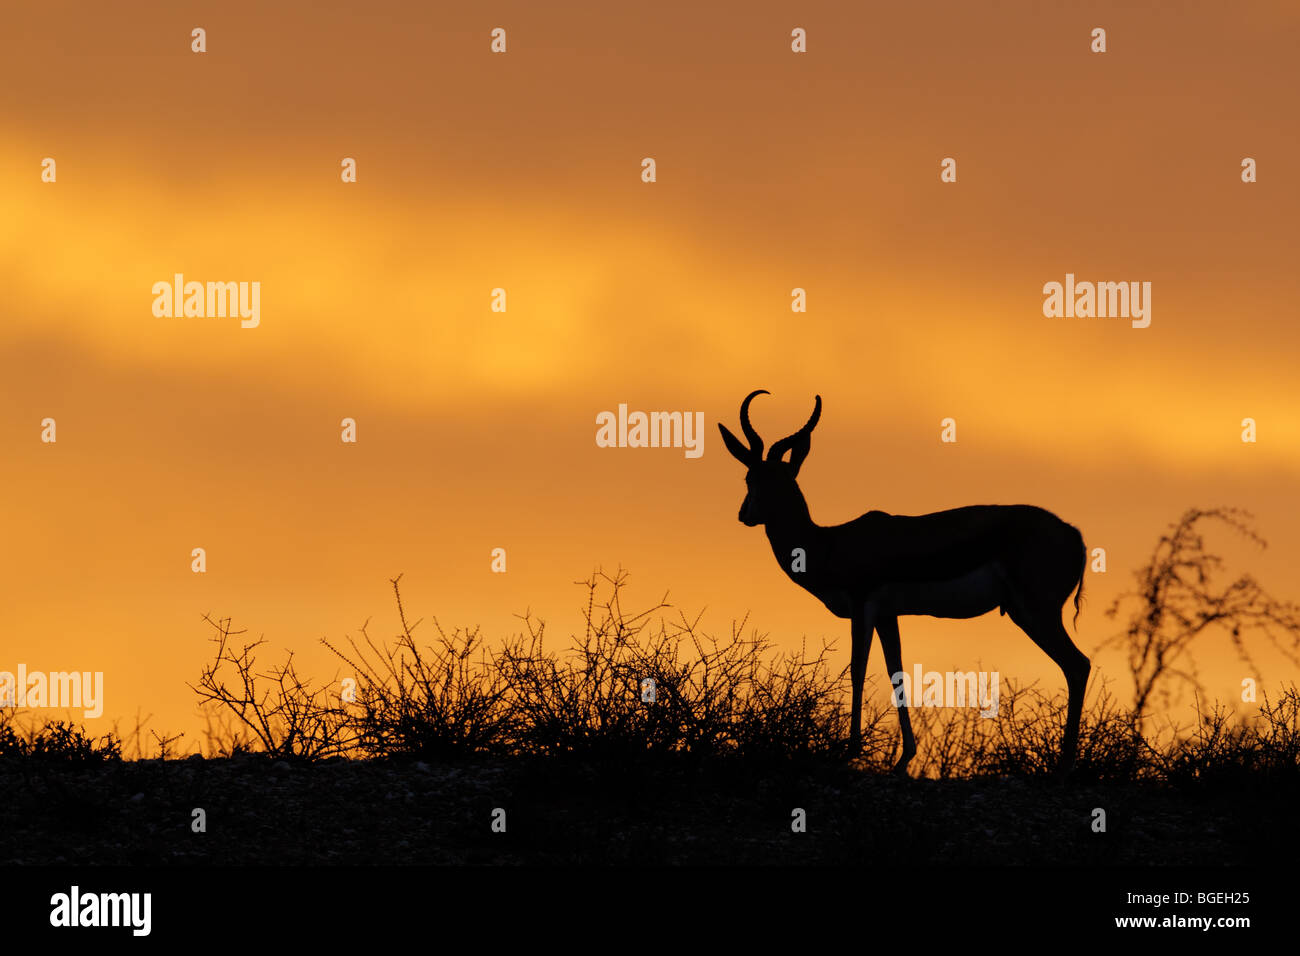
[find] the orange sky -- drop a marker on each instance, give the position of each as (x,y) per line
(522,171)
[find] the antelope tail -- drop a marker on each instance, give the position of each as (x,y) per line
(1083,571)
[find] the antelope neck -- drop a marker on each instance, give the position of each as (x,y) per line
(793,528)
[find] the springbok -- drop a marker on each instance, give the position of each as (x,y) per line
(956,564)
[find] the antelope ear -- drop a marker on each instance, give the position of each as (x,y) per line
(738,450)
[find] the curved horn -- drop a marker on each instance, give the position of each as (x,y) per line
(751,436)
(803,435)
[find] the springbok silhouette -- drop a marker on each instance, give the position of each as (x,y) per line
(959,563)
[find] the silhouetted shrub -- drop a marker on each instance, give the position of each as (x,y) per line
(634,684)
(282,713)
(643,685)
(1024,738)
(59,741)
(447,700)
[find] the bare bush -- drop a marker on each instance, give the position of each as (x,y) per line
(1180,598)
(58,741)
(283,713)
(447,700)
(634,684)
(646,684)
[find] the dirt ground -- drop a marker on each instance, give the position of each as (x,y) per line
(258,811)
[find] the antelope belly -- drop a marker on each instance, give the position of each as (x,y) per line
(970,595)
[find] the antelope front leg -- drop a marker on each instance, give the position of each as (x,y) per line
(863,626)
(890,642)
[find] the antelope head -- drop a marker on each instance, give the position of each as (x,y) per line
(770,482)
